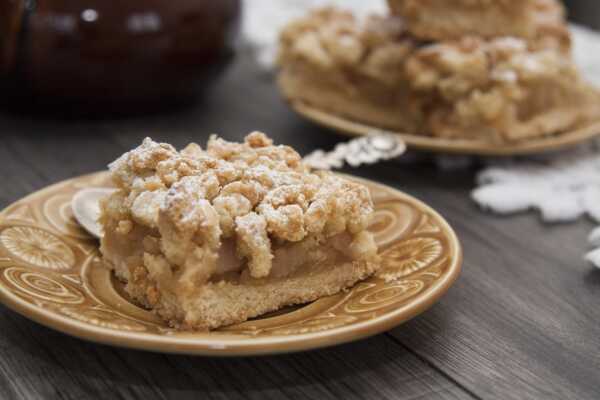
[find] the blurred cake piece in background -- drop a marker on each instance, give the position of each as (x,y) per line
(355,68)
(374,71)
(540,21)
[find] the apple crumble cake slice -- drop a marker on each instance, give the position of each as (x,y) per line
(500,89)
(206,238)
(542,22)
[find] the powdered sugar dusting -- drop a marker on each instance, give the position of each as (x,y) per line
(197,197)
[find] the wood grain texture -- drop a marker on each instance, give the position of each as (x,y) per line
(39,363)
(520,323)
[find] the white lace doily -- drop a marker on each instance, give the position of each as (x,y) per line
(562,186)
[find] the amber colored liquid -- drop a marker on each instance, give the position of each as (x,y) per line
(101,56)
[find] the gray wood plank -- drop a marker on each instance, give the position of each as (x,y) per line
(36,362)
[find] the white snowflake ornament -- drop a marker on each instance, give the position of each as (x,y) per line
(562,187)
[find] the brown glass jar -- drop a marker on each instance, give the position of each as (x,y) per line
(106,56)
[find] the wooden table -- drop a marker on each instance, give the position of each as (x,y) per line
(523,320)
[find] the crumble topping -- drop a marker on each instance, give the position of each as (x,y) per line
(379,46)
(498,88)
(188,203)
(254,243)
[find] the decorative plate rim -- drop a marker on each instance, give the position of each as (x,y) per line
(349,127)
(246,346)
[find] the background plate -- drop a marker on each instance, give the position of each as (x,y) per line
(456,146)
(51,272)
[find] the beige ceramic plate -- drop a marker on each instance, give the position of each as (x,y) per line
(456,146)
(50,272)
